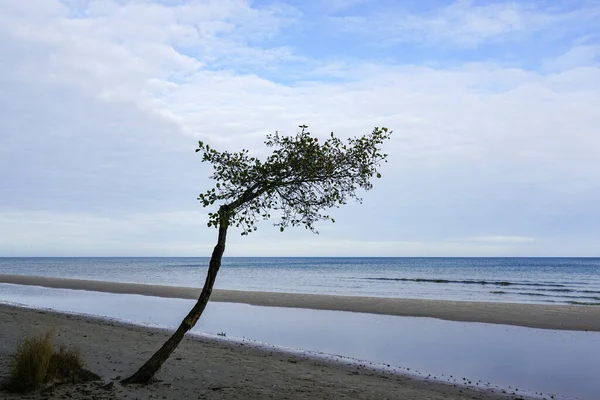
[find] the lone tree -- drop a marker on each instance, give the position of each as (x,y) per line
(300,179)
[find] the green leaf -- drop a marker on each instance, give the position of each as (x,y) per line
(301,178)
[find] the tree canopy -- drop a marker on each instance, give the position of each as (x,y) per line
(300,179)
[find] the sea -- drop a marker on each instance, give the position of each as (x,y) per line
(574,281)
(560,364)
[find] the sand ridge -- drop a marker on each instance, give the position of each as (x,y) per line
(563,317)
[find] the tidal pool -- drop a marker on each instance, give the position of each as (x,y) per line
(565,364)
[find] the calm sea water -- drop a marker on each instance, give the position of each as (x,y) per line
(562,363)
(521,280)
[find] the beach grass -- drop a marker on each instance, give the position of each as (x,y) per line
(31,362)
(38,361)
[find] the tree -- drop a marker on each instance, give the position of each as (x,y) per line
(300,179)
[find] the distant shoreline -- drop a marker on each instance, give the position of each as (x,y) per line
(562,317)
(349,257)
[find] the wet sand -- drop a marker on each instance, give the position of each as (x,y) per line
(202,368)
(564,317)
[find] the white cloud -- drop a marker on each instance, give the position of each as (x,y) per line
(182,233)
(577,57)
(341,5)
(44,233)
(100,114)
(465,22)
(470,24)
(503,239)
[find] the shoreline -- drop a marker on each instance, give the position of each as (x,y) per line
(559,317)
(203,367)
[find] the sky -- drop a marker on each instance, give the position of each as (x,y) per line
(494,107)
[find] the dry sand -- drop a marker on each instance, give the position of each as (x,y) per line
(530,315)
(205,369)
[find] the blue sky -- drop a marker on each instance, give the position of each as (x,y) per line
(493,106)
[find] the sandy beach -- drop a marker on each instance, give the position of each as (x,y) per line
(205,369)
(563,317)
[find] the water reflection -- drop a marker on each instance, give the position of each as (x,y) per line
(564,363)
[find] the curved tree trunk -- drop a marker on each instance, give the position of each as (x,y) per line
(147,371)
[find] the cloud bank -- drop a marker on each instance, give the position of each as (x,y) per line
(493,106)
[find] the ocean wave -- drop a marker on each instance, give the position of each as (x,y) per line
(569,291)
(546,295)
(186,265)
(465,281)
(571,302)
(582,303)
(558,297)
